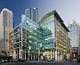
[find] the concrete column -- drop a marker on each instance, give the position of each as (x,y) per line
(25,54)
(28,55)
(34,56)
(31,56)
(56,57)
(14,55)
(20,54)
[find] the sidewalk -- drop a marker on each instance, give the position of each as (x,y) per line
(39,61)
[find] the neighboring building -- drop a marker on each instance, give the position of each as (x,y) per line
(25,39)
(17,43)
(32,13)
(11,43)
(6,26)
(60,46)
(74,35)
(30,40)
(1,36)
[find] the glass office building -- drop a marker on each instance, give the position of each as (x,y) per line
(74,35)
(24,37)
(32,13)
(31,40)
(60,39)
(46,39)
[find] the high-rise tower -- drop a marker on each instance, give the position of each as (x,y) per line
(32,13)
(6,26)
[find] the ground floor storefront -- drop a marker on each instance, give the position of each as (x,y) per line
(52,54)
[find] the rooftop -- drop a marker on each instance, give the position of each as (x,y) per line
(55,15)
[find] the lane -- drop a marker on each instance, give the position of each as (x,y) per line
(42,63)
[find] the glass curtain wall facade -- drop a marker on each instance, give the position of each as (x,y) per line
(46,39)
(26,39)
(32,13)
(74,35)
(31,39)
(60,38)
(48,22)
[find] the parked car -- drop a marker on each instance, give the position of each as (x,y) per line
(21,60)
(49,60)
(78,58)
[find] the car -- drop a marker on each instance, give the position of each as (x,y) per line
(78,58)
(21,60)
(49,59)
(3,61)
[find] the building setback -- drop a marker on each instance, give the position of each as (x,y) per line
(61,41)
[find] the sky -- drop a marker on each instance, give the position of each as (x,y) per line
(69,10)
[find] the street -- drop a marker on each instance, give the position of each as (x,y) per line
(42,63)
